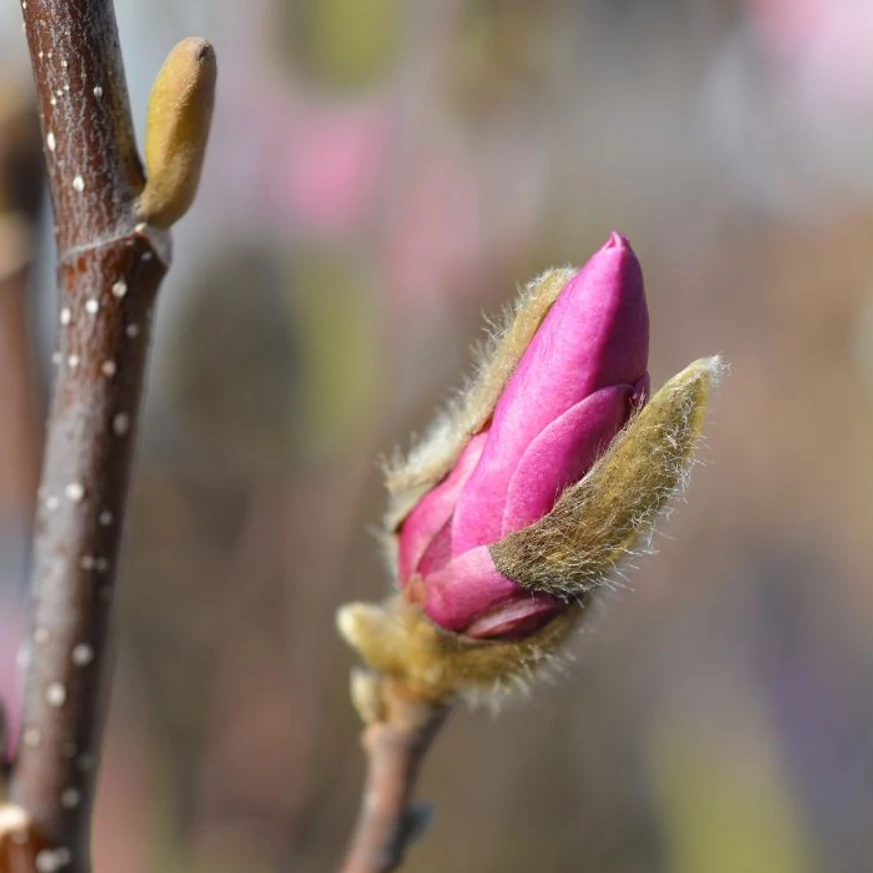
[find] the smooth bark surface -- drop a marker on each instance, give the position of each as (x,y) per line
(396,745)
(109,269)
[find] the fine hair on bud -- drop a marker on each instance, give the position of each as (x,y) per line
(177,130)
(407,479)
(399,640)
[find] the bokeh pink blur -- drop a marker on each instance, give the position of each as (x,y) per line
(381,174)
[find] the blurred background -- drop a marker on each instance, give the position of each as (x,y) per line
(380,174)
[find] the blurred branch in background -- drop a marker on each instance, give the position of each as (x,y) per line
(21,176)
(21,180)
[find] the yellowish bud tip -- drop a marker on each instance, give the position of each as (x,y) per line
(366,693)
(177,130)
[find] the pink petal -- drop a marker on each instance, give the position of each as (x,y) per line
(562,454)
(596,335)
(465,588)
(514,618)
(433,511)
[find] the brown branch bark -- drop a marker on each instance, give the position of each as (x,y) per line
(396,744)
(109,269)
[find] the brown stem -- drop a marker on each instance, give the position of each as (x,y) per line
(396,745)
(109,269)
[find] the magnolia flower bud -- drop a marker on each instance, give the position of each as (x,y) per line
(528,494)
(572,391)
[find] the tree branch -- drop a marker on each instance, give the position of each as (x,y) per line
(399,732)
(109,270)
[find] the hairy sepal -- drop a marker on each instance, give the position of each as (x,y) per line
(596,523)
(398,640)
(409,479)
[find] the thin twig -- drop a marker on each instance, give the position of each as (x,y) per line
(396,744)
(109,269)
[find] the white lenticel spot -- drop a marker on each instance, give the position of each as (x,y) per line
(70,798)
(75,491)
(66,315)
(105,518)
(79,184)
(98,91)
(52,502)
(45,861)
(132,330)
(119,289)
(56,694)
(92,306)
(50,141)
(15,822)
(82,655)
(121,424)
(107,368)
(86,562)
(48,861)
(31,737)
(73,362)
